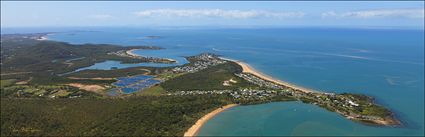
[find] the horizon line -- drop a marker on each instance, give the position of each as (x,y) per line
(226,26)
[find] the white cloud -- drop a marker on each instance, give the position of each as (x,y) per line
(101,16)
(379,13)
(238,14)
(329,14)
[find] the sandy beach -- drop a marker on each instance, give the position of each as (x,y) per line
(42,38)
(195,128)
(246,68)
(131,53)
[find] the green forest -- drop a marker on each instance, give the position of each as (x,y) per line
(133,116)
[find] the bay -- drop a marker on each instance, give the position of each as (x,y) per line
(387,64)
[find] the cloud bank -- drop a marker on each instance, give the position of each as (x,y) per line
(218,13)
(379,13)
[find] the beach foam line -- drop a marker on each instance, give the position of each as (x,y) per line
(42,38)
(131,52)
(246,68)
(193,131)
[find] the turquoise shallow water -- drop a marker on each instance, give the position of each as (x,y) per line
(387,64)
(283,118)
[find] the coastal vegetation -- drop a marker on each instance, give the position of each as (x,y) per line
(208,79)
(132,116)
(152,91)
(41,97)
(44,91)
(353,106)
(59,57)
(7,82)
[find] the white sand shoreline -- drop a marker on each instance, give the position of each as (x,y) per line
(193,131)
(42,38)
(131,53)
(246,68)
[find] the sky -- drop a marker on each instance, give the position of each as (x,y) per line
(210,13)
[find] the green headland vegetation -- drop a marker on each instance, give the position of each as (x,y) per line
(40,97)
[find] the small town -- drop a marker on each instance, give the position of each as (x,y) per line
(349,105)
(215,68)
(236,94)
(203,61)
(260,82)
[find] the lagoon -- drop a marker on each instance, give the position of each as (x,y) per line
(387,64)
(111,64)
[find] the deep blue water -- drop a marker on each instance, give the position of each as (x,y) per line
(387,64)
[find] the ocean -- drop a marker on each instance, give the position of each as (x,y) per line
(387,64)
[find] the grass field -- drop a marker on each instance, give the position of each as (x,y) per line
(7,82)
(152,91)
